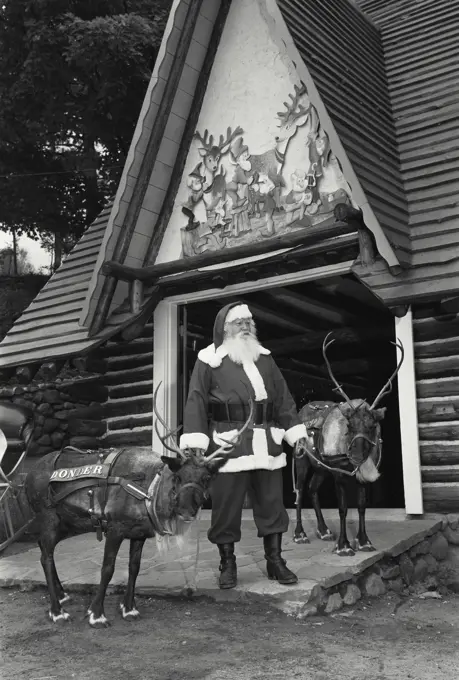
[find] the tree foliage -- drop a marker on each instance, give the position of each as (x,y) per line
(73,74)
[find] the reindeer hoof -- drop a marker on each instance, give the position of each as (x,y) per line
(301,538)
(344,552)
(101,622)
(129,614)
(327,536)
(64,598)
(62,617)
(365,547)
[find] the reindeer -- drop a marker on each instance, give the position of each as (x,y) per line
(214,185)
(173,490)
(269,164)
(348,444)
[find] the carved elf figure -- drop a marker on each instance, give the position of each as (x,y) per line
(237,187)
(319,152)
(227,375)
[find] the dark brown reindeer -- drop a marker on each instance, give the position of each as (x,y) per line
(347,444)
(106,495)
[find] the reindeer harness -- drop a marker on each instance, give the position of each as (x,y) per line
(97,476)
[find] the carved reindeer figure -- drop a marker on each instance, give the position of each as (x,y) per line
(269,164)
(214,185)
(347,444)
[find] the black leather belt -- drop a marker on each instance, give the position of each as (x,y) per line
(233,413)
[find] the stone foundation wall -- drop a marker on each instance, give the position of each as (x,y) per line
(430,566)
(67,412)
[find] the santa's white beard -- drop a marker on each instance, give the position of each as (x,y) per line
(242,348)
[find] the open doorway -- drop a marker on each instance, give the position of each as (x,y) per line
(292,321)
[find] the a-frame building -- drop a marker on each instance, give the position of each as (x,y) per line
(300,154)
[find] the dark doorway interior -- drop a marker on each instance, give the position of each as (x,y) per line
(292,322)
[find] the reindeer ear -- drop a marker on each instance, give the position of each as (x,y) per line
(379,413)
(173,463)
(202,152)
(346,409)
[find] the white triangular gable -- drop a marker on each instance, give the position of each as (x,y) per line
(256,73)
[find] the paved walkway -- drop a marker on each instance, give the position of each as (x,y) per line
(79,560)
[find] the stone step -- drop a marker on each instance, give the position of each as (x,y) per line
(132,389)
(128,375)
(125,362)
(139,436)
(129,422)
(126,406)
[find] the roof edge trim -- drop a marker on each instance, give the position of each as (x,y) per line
(281,35)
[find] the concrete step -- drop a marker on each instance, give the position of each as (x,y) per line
(129,422)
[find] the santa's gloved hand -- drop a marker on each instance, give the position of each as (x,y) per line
(302,447)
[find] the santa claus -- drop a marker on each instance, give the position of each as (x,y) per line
(229,374)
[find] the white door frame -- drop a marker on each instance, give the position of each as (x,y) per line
(165,365)
(407,406)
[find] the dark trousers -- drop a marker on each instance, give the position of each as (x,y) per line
(228,492)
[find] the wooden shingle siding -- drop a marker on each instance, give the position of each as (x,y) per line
(50,327)
(343,52)
(420,39)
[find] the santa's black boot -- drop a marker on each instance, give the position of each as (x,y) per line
(276,566)
(228,569)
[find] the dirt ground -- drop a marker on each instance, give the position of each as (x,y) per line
(392,638)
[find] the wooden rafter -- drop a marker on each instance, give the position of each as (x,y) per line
(333,314)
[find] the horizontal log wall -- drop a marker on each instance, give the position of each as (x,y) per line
(436,350)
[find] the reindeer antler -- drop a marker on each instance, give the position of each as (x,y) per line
(387,389)
(230,136)
(206,143)
(300,90)
(339,389)
(169,433)
(230,444)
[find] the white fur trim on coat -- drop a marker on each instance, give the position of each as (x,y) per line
(256,380)
(259,460)
(294,433)
(3,444)
(214,357)
(238,312)
(194,440)
(277,433)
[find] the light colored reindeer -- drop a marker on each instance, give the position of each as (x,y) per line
(269,164)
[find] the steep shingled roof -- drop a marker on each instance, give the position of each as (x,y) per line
(343,52)
(421,50)
(49,326)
